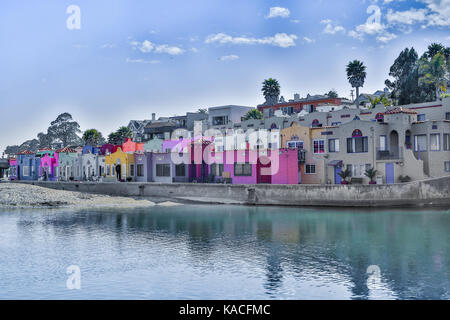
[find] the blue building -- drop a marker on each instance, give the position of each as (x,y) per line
(28,165)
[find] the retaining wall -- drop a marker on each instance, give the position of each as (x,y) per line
(426,192)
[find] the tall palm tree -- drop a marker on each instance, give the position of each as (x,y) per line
(271,90)
(434,72)
(356,74)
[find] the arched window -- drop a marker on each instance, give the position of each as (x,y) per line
(273,126)
(379,117)
(315,123)
(356,133)
(356,118)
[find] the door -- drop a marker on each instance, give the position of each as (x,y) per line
(389,173)
(260,177)
(337,177)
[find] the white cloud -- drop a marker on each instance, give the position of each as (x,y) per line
(229,58)
(147,46)
(440,12)
(295,21)
(356,35)
(278,12)
(330,29)
(128,60)
(385,38)
(194,50)
(409,17)
(282,40)
(308,40)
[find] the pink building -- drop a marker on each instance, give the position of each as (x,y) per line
(48,168)
(130,146)
(13,169)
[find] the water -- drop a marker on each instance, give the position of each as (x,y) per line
(226,252)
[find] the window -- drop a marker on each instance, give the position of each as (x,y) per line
(447,116)
(421,117)
(338,123)
(446,142)
(295,144)
(180,170)
(132,170)
(26,171)
(217,169)
(310,169)
(420,142)
(242,169)
(435,142)
(319,146)
(140,170)
(447,166)
(315,123)
(108,171)
(113,170)
(333,145)
(383,143)
(357,145)
(163,170)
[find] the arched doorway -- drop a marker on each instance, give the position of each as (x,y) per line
(262,168)
(393,143)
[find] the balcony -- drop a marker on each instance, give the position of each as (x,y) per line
(394,153)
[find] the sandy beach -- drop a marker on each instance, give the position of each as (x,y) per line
(26,195)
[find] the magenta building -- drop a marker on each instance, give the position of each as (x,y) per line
(48,168)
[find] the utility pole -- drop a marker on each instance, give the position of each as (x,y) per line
(351,94)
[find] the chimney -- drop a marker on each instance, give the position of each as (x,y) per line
(153,116)
(296,97)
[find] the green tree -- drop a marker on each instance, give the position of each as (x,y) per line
(93,137)
(30,145)
(434,72)
(405,88)
(12,150)
(119,136)
(332,94)
(271,90)
(377,100)
(253,114)
(433,49)
(45,141)
(64,130)
(356,74)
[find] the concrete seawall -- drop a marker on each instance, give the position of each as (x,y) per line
(431,192)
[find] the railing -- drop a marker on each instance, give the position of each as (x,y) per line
(394,153)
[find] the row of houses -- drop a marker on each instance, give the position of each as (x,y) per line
(309,146)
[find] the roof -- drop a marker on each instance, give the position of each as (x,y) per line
(160,124)
(25,152)
(400,110)
(67,150)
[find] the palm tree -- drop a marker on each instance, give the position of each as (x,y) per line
(356,74)
(434,49)
(371,173)
(344,174)
(253,114)
(271,90)
(434,72)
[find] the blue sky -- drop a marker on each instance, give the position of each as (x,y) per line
(132,57)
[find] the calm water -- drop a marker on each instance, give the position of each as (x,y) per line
(226,252)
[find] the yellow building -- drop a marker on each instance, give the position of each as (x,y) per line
(313,142)
(119,165)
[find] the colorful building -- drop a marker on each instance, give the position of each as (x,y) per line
(48,169)
(27,165)
(119,165)
(67,163)
(12,169)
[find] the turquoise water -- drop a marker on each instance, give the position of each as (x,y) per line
(226,252)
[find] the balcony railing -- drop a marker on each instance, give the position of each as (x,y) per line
(393,153)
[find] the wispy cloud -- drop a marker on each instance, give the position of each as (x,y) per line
(230,57)
(128,60)
(282,40)
(308,40)
(147,46)
(278,12)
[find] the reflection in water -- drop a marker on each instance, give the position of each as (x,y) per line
(207,252)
